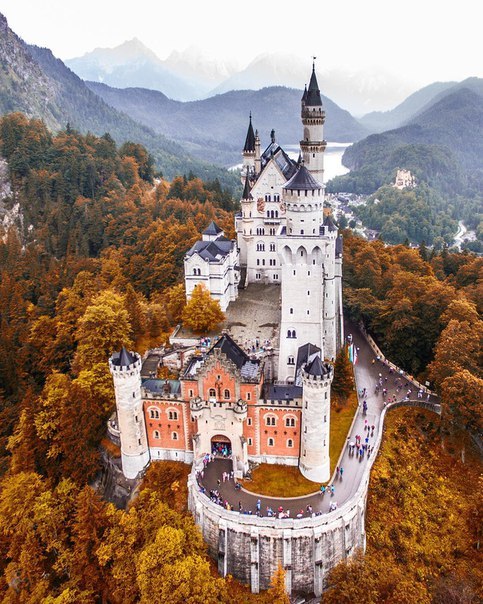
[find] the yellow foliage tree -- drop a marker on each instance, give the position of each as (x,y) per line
(202,314)
(277,594)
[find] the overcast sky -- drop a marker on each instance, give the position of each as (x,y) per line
(428,40)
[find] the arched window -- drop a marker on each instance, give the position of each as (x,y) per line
(226,394)
(291,333)
(172,415)
(289,443)
(291,360)
(271,442)
(156,434)
(154,413)
(270,420)
(174,435)
(290,421)
(212,393)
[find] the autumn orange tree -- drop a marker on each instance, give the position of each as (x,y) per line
(202,313)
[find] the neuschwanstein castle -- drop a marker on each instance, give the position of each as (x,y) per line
(225,397)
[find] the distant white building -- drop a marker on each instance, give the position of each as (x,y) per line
(404,180)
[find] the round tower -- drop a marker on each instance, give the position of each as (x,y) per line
(313,144)
(304,202)
(125,367)
(314,446)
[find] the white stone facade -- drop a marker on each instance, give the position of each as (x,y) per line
(214,262)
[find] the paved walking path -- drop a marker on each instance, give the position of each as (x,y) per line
(368,372)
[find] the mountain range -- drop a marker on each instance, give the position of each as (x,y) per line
(201,136)
(39,85)
(190,75)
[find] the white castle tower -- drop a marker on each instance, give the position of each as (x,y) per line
(314,446)
(125,367)
(302,250)
(313,117)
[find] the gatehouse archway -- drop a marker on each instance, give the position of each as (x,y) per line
(221,445)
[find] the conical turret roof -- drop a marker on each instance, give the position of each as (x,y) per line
(250,139)
(313,98)
(316,368)
(246,189)
(212,229)
(302,180)
(125,358)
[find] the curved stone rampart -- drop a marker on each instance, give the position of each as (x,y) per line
(251,547)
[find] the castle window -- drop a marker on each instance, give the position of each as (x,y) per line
(258,261)
(258,276)
(249,396)
(250,442)
(270,420)
(249,421)
(325,418)
(156,434)
(308,312)
(291,360)
(291,333)
(272,247)
(226,394)
(275,277)
(325,395)
(289,443)
(139,441)
(260,247)
(191,393)
(172,415)
(291,311)
(212,393)
(174,436)
(271,442)
(302,251)
(267,197)
(154,413)
(302,232)
(290,422)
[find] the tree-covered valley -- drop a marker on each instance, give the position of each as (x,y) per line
(91,258)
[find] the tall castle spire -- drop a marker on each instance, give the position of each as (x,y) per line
(313,117)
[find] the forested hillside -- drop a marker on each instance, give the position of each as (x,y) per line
(443,149)
(94,263)
(34,82)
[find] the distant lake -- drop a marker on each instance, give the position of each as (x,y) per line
(332,158)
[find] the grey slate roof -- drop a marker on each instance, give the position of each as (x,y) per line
(213,251)
(302,180)
(285,392)
(230,348)
(123,358)
(317,368)
(306,354)
(246,189)
(212,229)
(312,98)
(285,164)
